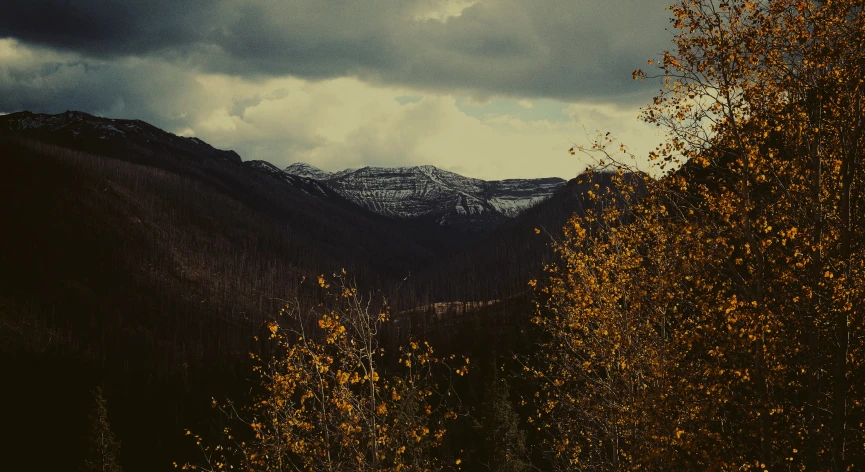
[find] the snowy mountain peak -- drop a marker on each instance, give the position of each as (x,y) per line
(429,192)
(302,169)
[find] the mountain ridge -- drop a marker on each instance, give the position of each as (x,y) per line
(108,135)
(428,191)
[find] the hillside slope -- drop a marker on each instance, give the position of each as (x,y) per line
(156,277)
(500,265)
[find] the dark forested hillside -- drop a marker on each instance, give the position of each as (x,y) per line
(86,226)
(152,278)
(500,265)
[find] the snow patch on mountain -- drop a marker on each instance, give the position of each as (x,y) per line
(302,169)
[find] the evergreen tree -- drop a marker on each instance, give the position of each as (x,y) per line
(503,442)
(103,448)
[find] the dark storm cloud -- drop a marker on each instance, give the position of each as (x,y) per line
(545,48)
(46,81)
(110,28)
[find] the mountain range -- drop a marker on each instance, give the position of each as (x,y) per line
(422,193)
(385,223)
(427,191)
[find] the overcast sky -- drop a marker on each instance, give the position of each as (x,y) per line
(486,88)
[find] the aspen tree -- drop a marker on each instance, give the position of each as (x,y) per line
(328,402)
(716,324)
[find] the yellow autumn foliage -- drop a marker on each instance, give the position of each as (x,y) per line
(712,319)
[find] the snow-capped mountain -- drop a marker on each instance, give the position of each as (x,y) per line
(302,169)
(430,192)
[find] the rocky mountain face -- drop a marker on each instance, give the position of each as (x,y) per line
(429,193)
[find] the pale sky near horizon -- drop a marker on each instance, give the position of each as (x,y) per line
(485,88)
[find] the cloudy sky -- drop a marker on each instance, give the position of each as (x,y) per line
(486,88)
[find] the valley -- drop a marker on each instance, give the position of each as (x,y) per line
(154,260)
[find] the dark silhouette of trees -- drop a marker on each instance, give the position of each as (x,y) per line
(504,447)
(103,448)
